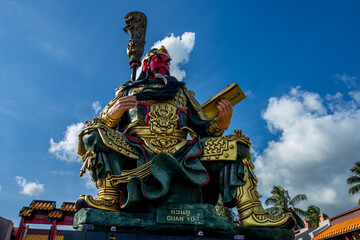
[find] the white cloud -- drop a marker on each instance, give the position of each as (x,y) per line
(29,188)
(88,182)
(355,95)
(96,107)
(249,94)
(66,149)
(179,49)
(349,81)
(318,144)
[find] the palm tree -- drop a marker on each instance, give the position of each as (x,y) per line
(224,211)
(283,203)
(313,215)
(355,180)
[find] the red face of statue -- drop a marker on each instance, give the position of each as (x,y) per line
(159,64)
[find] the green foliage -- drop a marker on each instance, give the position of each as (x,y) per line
(283,203)
(313,215)
(224,211)
(354,180)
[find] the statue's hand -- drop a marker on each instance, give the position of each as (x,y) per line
(122,105)
(225,113)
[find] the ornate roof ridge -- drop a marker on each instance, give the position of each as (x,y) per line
(48,206)
(346,226)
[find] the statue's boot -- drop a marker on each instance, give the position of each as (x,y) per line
(250,209)
(107,199)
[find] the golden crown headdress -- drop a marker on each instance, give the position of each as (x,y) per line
(154,51)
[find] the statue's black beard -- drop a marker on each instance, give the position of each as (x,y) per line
(157,70)
(167,92)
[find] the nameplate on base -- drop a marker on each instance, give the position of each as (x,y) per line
(180,216)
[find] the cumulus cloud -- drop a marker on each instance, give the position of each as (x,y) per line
(317,145)
(66,149)
(31,189)
(179,49)
(96,107)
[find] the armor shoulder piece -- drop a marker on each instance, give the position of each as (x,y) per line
(110,137)
(195,104)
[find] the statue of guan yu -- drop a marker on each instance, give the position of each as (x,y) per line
(139,153)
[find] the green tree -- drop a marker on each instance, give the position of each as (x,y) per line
(354,180)
(283,203)
(225,211)
(313,215)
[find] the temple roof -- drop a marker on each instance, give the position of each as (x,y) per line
(55,214)
(40,237)
(347,226)
(42,205)
(48,208)
(25,212)
(68,206)
(42,234)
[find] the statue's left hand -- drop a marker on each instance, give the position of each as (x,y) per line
(225,113)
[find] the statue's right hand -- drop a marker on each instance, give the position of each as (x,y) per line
(122,105)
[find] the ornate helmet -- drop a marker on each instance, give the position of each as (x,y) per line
(156,51)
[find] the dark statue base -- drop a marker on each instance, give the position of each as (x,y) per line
(180,222)
(128,236)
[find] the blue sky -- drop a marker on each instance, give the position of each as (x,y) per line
(298,62)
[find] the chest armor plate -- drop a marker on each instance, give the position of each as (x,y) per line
(162,133)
